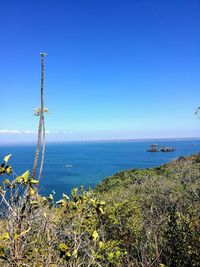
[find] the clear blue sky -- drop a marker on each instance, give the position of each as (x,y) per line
(115,68)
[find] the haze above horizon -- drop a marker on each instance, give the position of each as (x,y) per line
(114,69)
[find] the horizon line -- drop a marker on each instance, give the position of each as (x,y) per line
(103,140)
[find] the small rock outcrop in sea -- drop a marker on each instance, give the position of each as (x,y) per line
(154,148)
(167,149)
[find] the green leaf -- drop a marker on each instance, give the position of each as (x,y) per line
(110,256)
(6,182)
(18,180)
(32,181)
(68,254)
(118,253)
(101,210)
(95,235)
(6,158)
(5,236)
(74,192)
(65,196)
(93,202)
(63,247)
(25,176)
(32,192)
(101,245)
(50,197)
(16,236)
(2,170)
(61,202)
(8,169)
(44,199)
(34,202)
(2,250)
(75,253)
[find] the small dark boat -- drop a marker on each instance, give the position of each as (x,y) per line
(153,148)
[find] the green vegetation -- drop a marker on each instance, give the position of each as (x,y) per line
(134,218)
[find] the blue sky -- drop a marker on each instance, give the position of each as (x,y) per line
(115,69)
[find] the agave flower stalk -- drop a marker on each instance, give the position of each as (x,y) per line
(41,128)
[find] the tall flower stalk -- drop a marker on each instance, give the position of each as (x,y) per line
(41,128)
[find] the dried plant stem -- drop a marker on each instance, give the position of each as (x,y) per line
(41,128)
(43,150)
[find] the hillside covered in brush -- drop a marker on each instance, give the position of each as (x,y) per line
(136,217)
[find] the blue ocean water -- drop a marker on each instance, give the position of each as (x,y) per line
(71,165)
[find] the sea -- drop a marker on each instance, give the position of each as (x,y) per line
(73,164)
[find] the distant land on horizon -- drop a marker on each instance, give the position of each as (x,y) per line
(104,140)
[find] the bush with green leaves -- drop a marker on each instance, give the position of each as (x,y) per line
(39,231)
(134,218)
(168,203)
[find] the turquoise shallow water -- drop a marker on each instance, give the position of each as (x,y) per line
(73,164)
